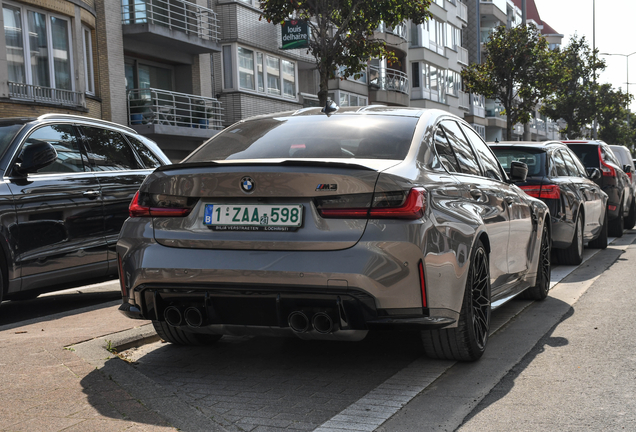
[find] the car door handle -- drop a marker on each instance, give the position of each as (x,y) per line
(475,193)
(510,201)
(92,194)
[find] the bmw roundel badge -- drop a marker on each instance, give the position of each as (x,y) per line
(247,184)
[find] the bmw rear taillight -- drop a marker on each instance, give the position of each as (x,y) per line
(607,170)
(382,205)
(160,205)
(550,191)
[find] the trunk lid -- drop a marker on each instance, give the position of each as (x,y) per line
(233,190)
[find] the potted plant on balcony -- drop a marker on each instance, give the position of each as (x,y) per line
(140,111)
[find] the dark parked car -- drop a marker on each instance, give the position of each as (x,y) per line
(68,181)
(557,177)
(624,156)
(621,206)
(328,226)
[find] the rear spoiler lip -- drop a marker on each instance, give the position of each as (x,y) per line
(286,162)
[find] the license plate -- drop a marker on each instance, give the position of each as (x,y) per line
(256,217)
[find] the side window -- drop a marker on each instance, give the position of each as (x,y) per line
(445,152)
(578,163)
(569,164)
(559,164)
(65,140)
(463,152)
(144,153)
(608,156)
(488,160)
(108,151)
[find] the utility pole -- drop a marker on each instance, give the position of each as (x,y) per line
(594,60)
(527,136)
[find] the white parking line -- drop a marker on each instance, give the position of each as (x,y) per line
(381,403)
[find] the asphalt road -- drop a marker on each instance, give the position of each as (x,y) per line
(562,364)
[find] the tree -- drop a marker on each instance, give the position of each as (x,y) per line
(342,30)
(612,112)
(573,99)
(518,72)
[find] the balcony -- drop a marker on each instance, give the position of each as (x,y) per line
(464,100)
(39,94)
(477,106)
(174,24)
(160,112)
(462,55)
(399,30)
(389,86)
(462,12)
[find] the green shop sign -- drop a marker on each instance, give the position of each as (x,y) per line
(295,34)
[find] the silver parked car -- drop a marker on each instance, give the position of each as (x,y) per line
(326,226)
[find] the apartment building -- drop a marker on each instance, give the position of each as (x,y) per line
(179,71)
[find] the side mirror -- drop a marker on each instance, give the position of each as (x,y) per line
(593,173)
(35,156)
(627,169)
(518,171)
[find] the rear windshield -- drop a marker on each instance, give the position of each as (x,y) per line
(338,136)
(534,158)
(587,153)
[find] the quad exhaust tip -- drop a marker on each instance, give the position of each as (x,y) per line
(173,316)
(193,317)
(298,322)
(322,323)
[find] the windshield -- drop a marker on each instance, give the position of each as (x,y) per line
(7,133)
(534,158)
(338,136)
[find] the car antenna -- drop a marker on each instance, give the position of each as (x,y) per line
(496,140)
(330,108)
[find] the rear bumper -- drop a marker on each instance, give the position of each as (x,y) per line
(223,307)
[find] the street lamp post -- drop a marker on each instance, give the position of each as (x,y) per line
(627,56)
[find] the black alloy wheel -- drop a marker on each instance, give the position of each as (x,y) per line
(573,254)
(617,225)
(466,342)
(630,220)
(544,269)
(600,242)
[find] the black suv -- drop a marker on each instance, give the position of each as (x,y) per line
(621,206)
(68,181)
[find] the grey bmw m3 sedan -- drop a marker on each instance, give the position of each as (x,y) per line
(327,226)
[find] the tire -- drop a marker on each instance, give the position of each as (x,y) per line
(617,226)
(630,221)
(466,342)
(600,242)
(178,336)
(544,270)
(573,254)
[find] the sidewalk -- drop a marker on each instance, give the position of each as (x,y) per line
(45,387)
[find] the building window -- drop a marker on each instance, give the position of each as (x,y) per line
(88,61)
(346,99)
(453,83)
(246,68)
(264,73)
(48,38)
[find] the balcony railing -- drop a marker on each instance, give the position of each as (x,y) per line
(464,100)
(388,79)
(180,15)
(399,30)
(462,12)
(462,55)
(477,105)
(162,107)
(29,92)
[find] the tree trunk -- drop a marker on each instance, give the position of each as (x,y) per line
(508,127)
(324,87)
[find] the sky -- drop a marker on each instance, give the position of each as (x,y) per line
(615,33)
